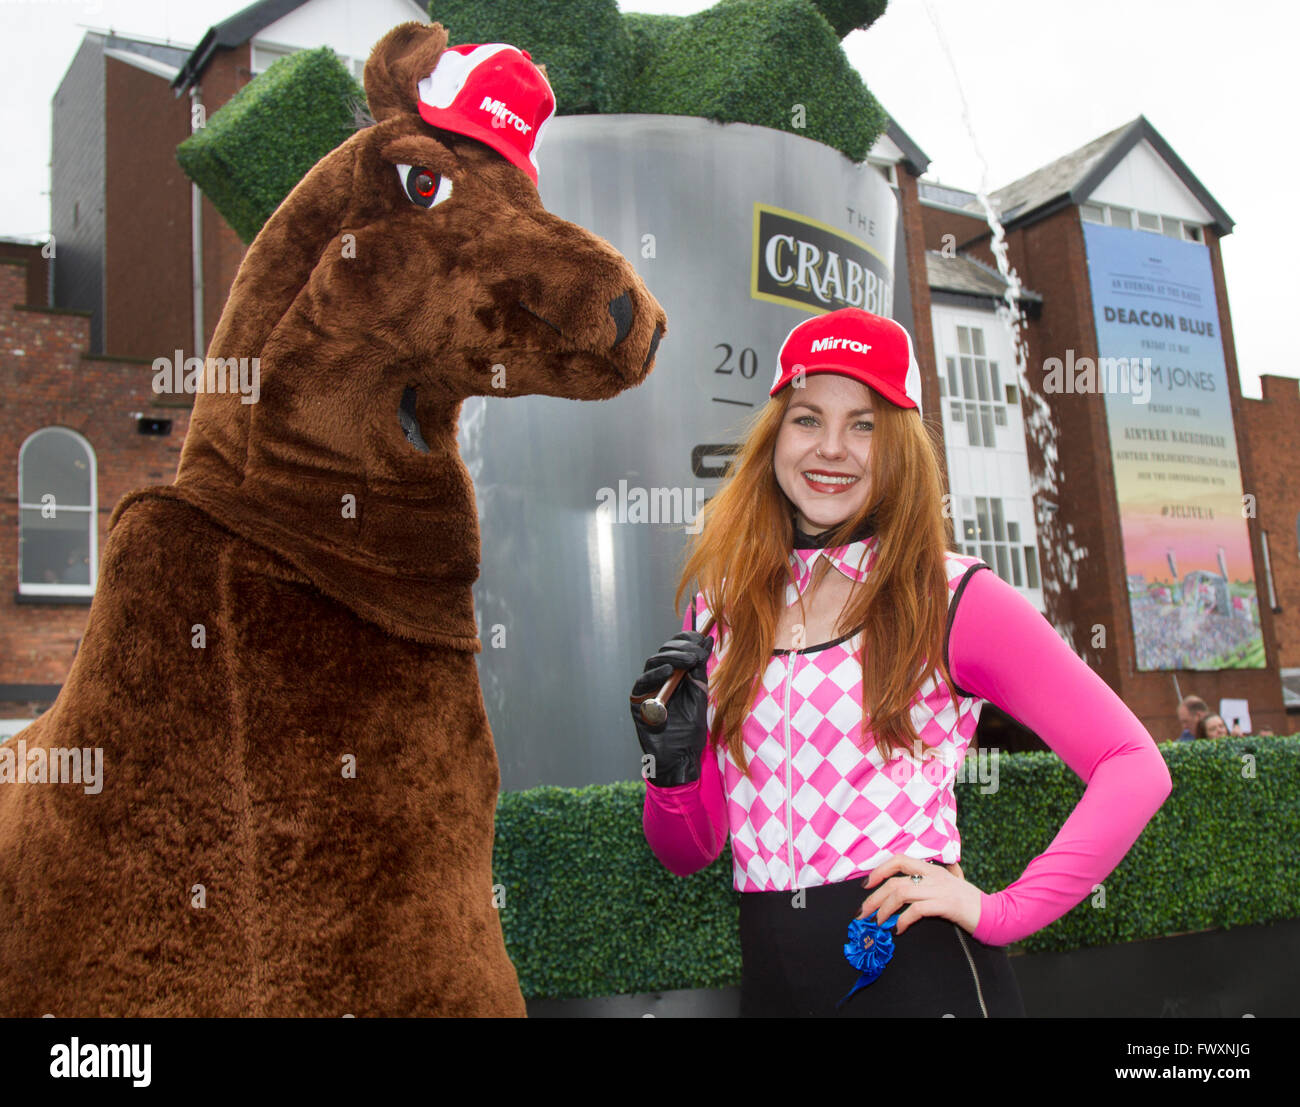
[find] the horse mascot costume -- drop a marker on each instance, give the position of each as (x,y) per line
(299,780)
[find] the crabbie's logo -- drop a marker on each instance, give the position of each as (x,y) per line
(829,343)
(503,115)
(809,264)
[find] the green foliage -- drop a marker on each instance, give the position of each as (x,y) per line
(758,61)
(850,15)
(590,910)
(741,61)
(581,43)
(265,139)
(643,37)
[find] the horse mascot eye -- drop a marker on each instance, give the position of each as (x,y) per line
(423,187)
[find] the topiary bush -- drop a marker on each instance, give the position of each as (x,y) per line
(582,43)
(771,63)
(741,61)
(266,137)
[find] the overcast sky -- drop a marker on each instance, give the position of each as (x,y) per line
(1038,79)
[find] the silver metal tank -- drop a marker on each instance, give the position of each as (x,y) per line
(740,232)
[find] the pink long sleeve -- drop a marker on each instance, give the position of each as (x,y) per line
(1001,649)
(686,826)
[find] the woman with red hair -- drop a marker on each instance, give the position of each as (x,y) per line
(825,731)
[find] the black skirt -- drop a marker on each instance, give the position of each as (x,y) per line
(794,963)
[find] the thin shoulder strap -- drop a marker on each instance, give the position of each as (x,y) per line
(952,614)
(693,613)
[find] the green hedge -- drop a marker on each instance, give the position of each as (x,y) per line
(265,138)
(740,61)
(581,42)
(849,15)
(590,911)
(755,61)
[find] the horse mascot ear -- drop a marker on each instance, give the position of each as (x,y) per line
(277,679)
(400,60)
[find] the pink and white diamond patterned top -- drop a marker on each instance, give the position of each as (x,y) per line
(817,808)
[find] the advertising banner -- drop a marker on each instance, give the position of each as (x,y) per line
(1191,581)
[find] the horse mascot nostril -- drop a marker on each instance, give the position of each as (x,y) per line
(299,780)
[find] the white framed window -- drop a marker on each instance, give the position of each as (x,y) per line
(265,54)
(1142,220)
(983,531)
(975,389)
(887,170)
(1031,566)
(58,534)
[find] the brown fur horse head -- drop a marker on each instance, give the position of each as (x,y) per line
(412,267)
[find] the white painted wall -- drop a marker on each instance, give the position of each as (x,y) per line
(1143,181)
(349,27)
(1000,472)
(886,149)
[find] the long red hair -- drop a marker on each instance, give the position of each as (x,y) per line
(740,557)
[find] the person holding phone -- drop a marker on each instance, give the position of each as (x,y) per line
(824,732)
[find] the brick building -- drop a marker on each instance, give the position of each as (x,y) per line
(1131,179)
(1272,424)
(82,431)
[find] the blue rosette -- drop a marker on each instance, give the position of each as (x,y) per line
(868,948)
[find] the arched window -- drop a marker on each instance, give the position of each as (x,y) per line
(58,539)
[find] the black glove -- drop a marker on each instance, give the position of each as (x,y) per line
(677,743)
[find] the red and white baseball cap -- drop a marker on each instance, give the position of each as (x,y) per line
(854,343)
(492,92)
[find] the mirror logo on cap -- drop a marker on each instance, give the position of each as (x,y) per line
(491,92)
(854,343)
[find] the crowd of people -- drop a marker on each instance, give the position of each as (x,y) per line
(1198,722)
